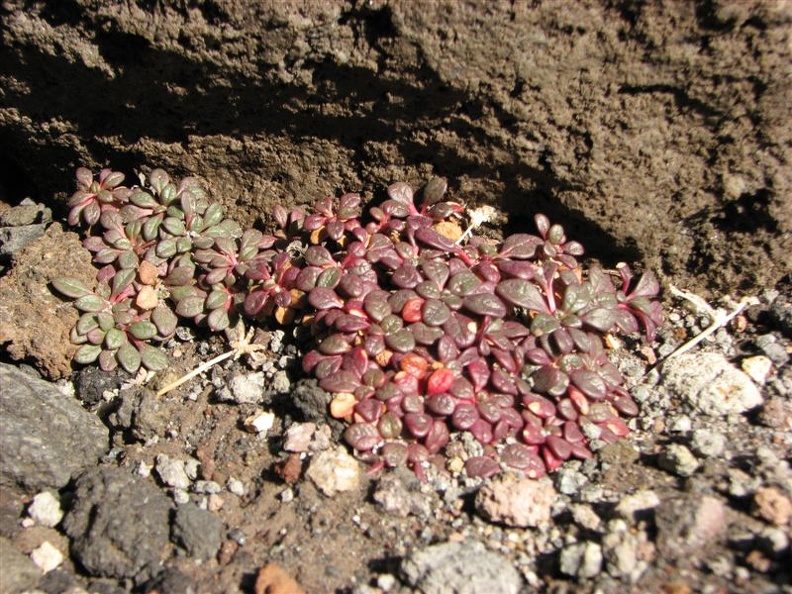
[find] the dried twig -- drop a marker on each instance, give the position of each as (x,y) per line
(244,345)
(720,317)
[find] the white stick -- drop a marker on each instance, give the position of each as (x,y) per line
(197,371)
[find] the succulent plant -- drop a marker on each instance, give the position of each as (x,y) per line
(115,330)
(417,330)
(504,341)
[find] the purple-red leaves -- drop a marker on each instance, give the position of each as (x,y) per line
(485,304)
(464,415)
(520,246)
(362,436)
(522,293)
(523,458)
(324,298)
(590,383)
(481,467)
(434,239)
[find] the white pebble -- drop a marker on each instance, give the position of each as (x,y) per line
(46,557)
(333,471)
(46,509)
(236,487)
(260,422)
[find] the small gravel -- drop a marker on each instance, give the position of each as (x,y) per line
(678,460)
(244,388)
(581,560)
(708,443)
(172,472)
(634,507)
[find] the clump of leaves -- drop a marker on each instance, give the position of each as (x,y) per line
(418,330)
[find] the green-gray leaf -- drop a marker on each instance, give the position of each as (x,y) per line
(190,307)
(142,199)
(213,215)
(522,293)
(86,323)
(106,320)
(218,320)
(174,226)
(129,358)
(153,358)
(90,303)
(128,260)
(216,299)
(123,279)
(70,287)
(151,227)
(87,353)
(166,248)
(143,330)
(114,338)
(164,320)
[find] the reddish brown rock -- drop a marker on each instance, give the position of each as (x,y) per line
(34,322)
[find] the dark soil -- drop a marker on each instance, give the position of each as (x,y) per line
(656,133)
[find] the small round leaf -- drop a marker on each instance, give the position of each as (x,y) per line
(129,358)
(87,353)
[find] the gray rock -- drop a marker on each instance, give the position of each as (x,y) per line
(197,531)
(634,507)
(245,388)
(679,460)
(707,382)
(311,400)
(14,239)
(26,213)
(19,573)
(460,568)
(399,494)
(708,443)
(207,487)
(689,523)
(280,383)
(569,480)
(582,560)
(46,437)
(118,524)
(773,349)
(142,413)
(173,581)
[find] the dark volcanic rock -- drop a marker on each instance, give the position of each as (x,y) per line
(118,524)
(198,531)
(47,437)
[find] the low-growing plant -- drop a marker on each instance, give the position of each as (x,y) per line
(418,329)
